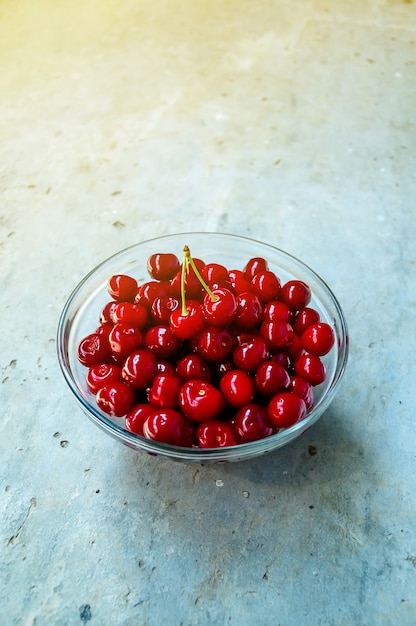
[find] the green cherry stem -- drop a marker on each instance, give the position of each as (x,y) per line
(185,265)
(188,261)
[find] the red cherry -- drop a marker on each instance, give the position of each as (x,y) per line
(295,349)
(200,401)
(215,434)
(219,311)
(266,285)
(304,318)
(139,369)
(278,334)
(254,266)
(237,388)
(252,424)
(311,368)
(191,367)
(93,349)
(166,426)
(162,342)
(116,398)
(130,313)
(250,353)
(106,313)
(162,308)
(285,409)
(249,310)
(214,273)
(163,266)
(276,311)
(148,292)
(104,330)
(164,391)
(193,287)
(296,294)
(136,417)
(122,288)
(214,344)
(239,283)
(300,387)
(102,374)
(123,340)
(271,378)
(189,325)
(318,338)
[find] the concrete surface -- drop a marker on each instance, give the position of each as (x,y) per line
(291,122)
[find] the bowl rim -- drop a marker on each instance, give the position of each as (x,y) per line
(244,450)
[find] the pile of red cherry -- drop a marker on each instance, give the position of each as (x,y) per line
(206,357)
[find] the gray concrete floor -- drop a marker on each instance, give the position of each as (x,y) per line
(291,122)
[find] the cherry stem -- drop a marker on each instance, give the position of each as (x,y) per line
(185,264)
(188,261)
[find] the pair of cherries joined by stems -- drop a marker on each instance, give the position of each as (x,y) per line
(202,356)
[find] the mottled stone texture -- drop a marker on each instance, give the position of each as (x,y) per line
(291,122)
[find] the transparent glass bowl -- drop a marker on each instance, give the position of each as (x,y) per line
(80,317)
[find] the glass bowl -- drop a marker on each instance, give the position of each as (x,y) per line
(80,317)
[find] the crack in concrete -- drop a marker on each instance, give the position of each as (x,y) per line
(15,538)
